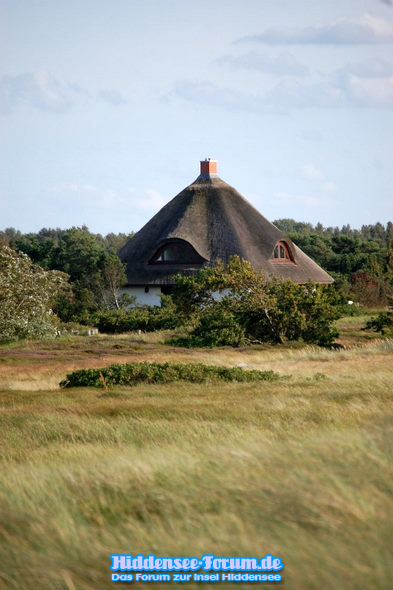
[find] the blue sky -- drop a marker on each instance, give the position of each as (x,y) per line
(107,106)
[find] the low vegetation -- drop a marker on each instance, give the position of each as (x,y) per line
(133,373)
(383,322)
(300,468)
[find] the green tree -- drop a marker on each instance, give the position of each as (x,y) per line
(233,303)
(113,277)
(8,235)
(27,293)
(89,259)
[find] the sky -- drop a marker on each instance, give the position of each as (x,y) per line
(107,107)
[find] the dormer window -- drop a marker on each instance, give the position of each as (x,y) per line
(176,252)
(281,252)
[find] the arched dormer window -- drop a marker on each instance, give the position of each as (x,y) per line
(281,252)
(176,252)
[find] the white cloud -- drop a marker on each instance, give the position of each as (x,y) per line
(315,202)
(314,174)
(366,29)
(43,91)
(369,83)
(39,90)
(311,172)
(89,188)
(106,198)
(111,198)
(371,91)
(370,68)
(283,64)
(113,97)
(328,186)
(366,84)
(293,94)
(65,187)
(208,94)
(287,94)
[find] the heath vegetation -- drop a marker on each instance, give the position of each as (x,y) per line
(298,467)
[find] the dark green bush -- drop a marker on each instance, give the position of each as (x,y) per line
(217,327)
(133,373)
(345,310)
(118,321)
(382,322)
(147,319)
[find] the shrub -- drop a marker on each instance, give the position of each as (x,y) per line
(347,310)
(27,293)
(382,322)
(133,373)
(217,327)
(118,321)
(147,319)
(252,308)
(293,312)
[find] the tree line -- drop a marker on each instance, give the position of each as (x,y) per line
(360,260)
(86,275)
(90,261)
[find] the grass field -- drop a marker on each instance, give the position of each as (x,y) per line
(300,468)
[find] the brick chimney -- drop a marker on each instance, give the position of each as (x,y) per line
(208,166)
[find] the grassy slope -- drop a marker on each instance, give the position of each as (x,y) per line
(299,468)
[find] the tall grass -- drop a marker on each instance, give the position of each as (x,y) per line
(300,468)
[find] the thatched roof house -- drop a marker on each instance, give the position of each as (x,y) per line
(206,221)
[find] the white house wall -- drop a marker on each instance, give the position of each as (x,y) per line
(153,297)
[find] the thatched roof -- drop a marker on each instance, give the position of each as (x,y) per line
(218,223)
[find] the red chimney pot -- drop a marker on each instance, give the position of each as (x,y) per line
(208,166)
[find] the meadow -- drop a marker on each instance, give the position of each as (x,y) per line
(300,467)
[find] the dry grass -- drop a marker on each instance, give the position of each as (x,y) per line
(34,368)
(300,468)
